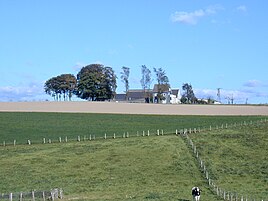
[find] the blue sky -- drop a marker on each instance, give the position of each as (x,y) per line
(210,44)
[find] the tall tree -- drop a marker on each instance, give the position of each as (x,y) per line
(145,81)
(51,87)
(162,82)
(67,85)
(188,95)
(96,82)
(63,84)
(124,78)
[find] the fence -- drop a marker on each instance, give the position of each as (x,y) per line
(226,195)
(222,193)
(158,132)
(34,195)
(90,137)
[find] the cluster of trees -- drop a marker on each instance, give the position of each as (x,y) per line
(96,82)
(62,85)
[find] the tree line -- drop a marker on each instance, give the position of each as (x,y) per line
(96,82)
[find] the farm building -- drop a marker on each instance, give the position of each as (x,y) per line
(170,96)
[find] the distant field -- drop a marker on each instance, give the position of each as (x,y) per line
(34,126)
(134,108)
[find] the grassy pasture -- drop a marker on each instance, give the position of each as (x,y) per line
(141,168)
(237,158)
(154,168)
(36,126)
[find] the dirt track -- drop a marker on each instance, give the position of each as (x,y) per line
(133,108)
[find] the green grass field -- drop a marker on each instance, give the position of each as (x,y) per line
(155,168)
(140,168)
(237,158)
(36,126)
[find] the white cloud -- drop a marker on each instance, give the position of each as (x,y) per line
(187,18)
(238,96)
(193,17)
(252,83)
(242,8)
(77,67)
(213,9)
(32,91)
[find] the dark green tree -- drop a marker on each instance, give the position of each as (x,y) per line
(67,85)
(51,88)
(96,82)
(124,78)
(162,82)
(146,82)
(64,84)
(188,96)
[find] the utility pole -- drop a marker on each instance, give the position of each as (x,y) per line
(219,94)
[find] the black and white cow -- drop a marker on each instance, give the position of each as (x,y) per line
(196,193)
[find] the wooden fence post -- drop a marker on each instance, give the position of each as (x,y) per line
(20,196)
(201,163)
(114,135)
(148,134)
(78,138)
(29,142)
(43,195)
(44,140)
(52,195)
(14,143)
(207,174)
(66,139)
(60,139)
(33,198)
(61,194)
(10,196)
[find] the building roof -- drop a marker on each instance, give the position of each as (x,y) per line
(161,87)
(120,97)
(175,91)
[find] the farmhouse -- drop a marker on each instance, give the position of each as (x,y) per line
(169,96)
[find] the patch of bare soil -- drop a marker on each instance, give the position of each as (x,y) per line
(132,108)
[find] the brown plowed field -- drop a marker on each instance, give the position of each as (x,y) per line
(133,108)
